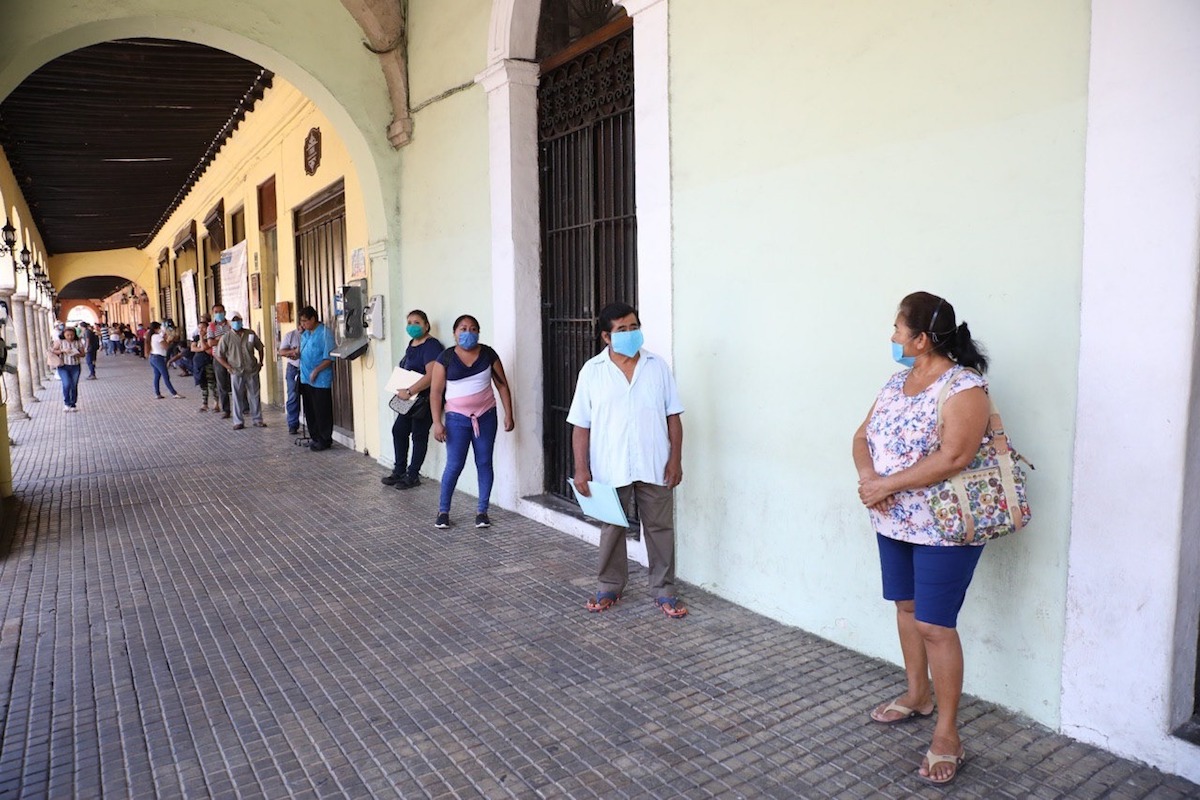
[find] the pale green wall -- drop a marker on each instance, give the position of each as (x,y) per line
(828,158)
(447,45)
(444,217)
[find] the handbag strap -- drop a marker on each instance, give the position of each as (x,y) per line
(995,432)
(995,428)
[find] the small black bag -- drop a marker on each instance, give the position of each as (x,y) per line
(414,408)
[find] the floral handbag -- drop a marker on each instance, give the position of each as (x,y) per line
(986,500)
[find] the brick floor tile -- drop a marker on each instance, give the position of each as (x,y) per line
(305,634)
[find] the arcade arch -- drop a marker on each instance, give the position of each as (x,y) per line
(335,72)
(510,81)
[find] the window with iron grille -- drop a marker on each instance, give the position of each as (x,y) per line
(588,222)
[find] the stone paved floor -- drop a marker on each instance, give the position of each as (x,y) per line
(192,611)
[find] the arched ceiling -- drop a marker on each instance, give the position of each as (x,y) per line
(106,140)
(91,288)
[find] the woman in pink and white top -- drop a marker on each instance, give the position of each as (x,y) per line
(65,354)
(462,378)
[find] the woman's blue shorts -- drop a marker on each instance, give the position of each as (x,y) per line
(936,578)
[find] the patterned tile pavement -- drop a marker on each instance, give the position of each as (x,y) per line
(193,611)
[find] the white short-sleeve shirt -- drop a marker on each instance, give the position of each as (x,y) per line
(627,419)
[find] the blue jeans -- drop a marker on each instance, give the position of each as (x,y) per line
(159,363)
(91,363)
(70,384)
(459,436)
(292,380)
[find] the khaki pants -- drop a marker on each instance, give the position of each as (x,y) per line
(656,509)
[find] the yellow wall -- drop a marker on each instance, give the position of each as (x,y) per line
(269,142)
(16,211)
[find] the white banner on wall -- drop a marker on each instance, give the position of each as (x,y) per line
(235,293)
(187,285)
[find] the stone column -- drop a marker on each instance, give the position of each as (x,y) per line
(51,335)
(511,87)
(12,383)
(37,343)
(23,350)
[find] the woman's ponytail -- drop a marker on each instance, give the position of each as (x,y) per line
(928,313)
(966,351)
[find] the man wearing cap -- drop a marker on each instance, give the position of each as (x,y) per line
(241,353)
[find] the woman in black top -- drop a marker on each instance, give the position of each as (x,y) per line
(422,350)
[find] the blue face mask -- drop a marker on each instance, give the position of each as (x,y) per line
(236,324)
(219,316)
(899,357)
(414,331)
(468,339)
(627,343)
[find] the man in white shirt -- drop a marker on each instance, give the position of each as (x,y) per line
(628,434)
(289,351)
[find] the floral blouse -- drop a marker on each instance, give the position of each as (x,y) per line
(901,431)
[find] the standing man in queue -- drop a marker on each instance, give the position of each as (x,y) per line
(289,351)
(241,353)
(216,329)
(628,434)
(316,378)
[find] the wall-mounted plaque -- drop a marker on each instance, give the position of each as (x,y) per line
(312,151)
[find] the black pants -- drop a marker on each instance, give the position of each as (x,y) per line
(318,413)
(418,429)
(225,387)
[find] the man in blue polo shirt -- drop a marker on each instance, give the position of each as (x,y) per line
(316,378)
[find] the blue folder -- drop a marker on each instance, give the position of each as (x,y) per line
(604,504)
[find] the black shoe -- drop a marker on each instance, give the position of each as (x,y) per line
(293,431)
(408,482)
(482,521)
(317,447)
(223,416)
(443,520)
(392,480)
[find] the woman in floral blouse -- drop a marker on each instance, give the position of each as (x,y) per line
(899,454)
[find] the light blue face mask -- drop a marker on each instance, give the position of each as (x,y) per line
(627,343)
(468,339)
(899,357)
(236,324)
(219,316)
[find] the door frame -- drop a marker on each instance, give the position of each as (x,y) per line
(510,82)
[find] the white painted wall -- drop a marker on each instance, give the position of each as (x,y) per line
(828,158)
(1129,654)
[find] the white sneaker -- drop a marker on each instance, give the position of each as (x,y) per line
(66,409)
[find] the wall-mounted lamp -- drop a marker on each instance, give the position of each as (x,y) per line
(9,235)
(10,238)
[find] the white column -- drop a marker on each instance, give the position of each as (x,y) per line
(652,154)
(43,334)
(12,383)
(24,348)
(511,88)
(1133,599)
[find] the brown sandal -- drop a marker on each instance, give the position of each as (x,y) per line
(671,607)
(603,601)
